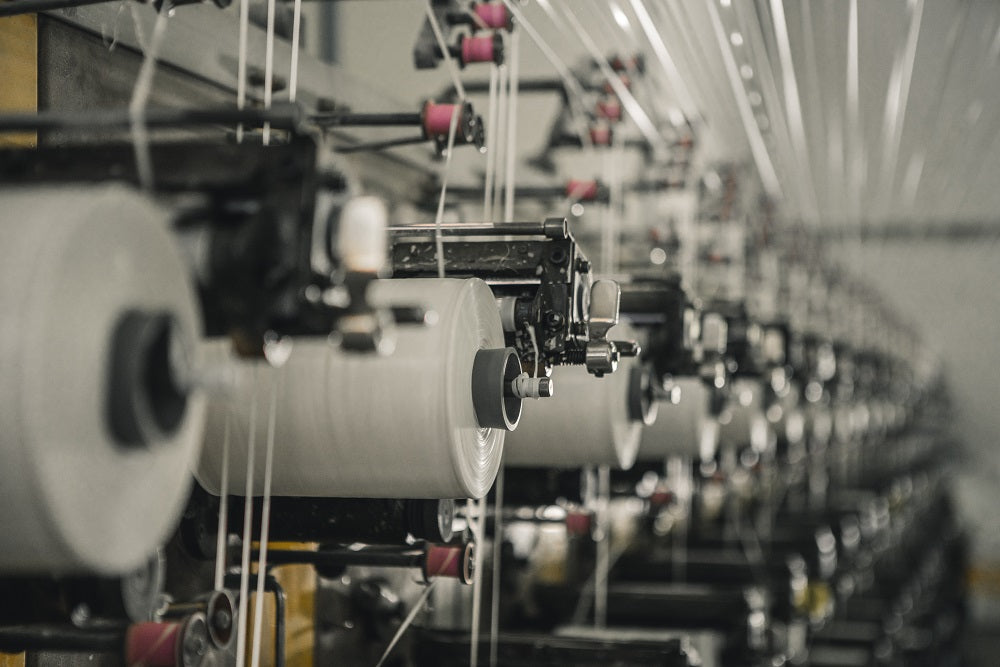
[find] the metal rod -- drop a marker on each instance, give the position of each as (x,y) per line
(373,146)
(406,118)
(17,638)
(654,186)
(540,85)
(472,228)
(346,557)
(528,192)
(284,116)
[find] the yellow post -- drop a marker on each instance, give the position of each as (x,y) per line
(18,73)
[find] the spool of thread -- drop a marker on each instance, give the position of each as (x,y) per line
(97,428)
(364,425)
(588,421)
(582,190)
(167,644)
(610,110)
(437,119)
(747,424)
(579,522)
(600,135)
(494,16)
(153,644)
(482,49)
(361,237)
(687,429)
(452,562)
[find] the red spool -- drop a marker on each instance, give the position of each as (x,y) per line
(153,644)
(578,523)
(494,16)
(610,110)
(454,562)
(660,498)
(581,190)
(479,49)
(437,119)
(600,136)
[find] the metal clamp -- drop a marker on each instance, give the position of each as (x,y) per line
(602,355)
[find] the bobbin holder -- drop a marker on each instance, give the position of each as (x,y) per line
(541,279)
(575,190)
(672,321)
(433,120)
(250,211)
(744,338)
(373,521)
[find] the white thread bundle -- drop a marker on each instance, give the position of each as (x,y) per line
(73,261)
(747,424)
(364,425)
(687,429)
(585,422)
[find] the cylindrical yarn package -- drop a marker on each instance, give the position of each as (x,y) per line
(747,424)
(587,421)
(361,425)
(687,429)
(98,432)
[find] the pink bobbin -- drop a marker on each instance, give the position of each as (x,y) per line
(437,119)
(581,190)
(494,16)
(600,135)
(578,523)
(454,562)
(153,644)
(610,110)
(660,498)
(480,49)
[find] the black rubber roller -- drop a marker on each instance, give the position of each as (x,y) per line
(492,374)
(146,401)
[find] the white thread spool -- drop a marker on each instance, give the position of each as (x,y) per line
(73,262)
(747,423)
(364,425)
(687,429)
(587,421)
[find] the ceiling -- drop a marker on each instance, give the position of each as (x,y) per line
(856,112)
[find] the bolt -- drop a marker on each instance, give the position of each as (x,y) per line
(582,265)
(528,387)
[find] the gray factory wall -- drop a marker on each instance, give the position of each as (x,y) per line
(949,288)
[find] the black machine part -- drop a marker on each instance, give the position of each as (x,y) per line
(451,648)
(147,396)
(493,372)
(349,520)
